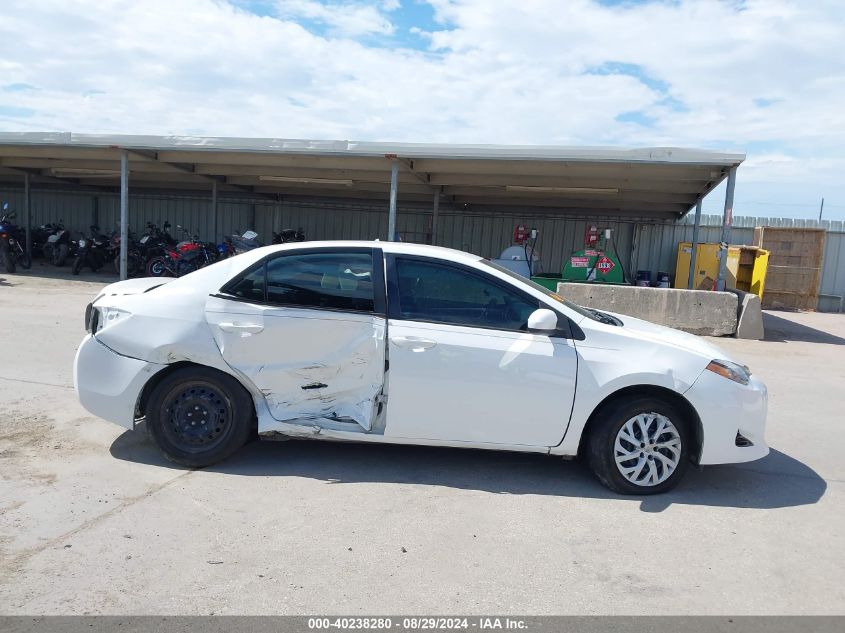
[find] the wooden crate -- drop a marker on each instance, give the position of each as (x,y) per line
(795,266)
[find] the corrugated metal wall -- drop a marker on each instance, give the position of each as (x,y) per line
(833,274)
(641,244)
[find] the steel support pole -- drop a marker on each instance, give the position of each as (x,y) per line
(394,186)
(694,253)
(435,211)
(27,205)
(727,224)
(214,212)
(124,212)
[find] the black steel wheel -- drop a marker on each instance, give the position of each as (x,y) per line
(199,416)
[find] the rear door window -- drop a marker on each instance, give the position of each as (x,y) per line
(337,281)
(330,280)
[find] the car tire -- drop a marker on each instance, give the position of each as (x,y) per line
(630,461)
(198,416)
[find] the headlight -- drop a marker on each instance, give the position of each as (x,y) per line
(82,243)
(108,315)
(731,371)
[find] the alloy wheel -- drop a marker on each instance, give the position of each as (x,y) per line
(647,449)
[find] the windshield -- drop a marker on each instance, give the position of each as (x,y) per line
(553,295)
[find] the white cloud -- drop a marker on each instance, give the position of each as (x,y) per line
(348,19)
(768,75)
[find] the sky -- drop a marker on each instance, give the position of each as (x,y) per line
(764,77)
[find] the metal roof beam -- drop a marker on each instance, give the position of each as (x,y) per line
(190,168)
(37,173)
(424,178)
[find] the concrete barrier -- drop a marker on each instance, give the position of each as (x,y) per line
(749,319)
(695,311)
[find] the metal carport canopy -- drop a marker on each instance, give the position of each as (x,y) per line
(661,182)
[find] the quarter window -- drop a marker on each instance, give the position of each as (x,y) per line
(441,293)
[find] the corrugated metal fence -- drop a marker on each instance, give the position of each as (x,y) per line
(642,244)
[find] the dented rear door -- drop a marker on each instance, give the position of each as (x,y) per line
(307,328)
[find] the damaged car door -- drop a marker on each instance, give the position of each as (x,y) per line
(307,328)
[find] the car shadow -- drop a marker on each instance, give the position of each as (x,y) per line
(777,481)
(780,330)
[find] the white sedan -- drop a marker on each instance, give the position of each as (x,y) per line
(409,344)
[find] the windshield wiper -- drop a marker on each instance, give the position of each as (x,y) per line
(602,317)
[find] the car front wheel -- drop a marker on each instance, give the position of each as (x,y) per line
(198,416)
(639,446)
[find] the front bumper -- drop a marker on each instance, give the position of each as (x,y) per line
(727,408)
(108,384)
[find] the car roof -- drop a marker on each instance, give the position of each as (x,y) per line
(405,248)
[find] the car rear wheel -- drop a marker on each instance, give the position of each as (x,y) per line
(639,446)
(198,416)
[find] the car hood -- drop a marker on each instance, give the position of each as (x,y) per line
(666,335)
(133,286)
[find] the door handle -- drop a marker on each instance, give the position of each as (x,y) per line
(415,344)
(244,329)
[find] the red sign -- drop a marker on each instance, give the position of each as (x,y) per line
(604,265)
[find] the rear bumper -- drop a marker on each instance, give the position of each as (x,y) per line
(108,384)
(727,408)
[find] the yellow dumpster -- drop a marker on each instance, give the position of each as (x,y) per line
(745,270)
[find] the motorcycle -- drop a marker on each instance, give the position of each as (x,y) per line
(59,246)
(92,251)
(226,248)
(244,243)
(41,244)
(11,248)
(288,235)
(134,261)
(187,256)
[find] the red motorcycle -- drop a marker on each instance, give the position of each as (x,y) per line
(186,257)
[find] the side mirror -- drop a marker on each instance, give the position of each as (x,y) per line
(542,320)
